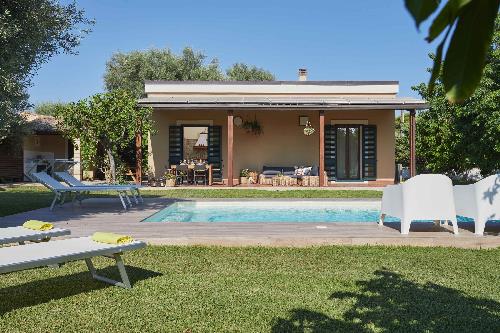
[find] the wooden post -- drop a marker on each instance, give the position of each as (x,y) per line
(138,158)
(321,148)
(413,161)
(230,148)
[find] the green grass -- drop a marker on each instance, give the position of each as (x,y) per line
(216,289)
(19,199)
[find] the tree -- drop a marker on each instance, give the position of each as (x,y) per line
(453,138)
(472,23)
(48,108)
(128,71)
(31,31)
(242,72)
(107,122)
(401,134)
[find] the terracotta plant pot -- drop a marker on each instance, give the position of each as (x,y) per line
(243,180)
(170,183)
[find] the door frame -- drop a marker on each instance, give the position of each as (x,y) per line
(190,125)
(347,153)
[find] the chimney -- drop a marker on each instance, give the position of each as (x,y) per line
(302,74)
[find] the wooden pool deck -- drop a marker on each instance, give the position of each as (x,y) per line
(104,214)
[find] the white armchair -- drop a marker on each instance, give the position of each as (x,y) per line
(480,201)
(423,197)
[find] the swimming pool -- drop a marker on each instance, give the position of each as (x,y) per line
(270,211)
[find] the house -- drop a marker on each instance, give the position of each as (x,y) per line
(44,142)
(257,124)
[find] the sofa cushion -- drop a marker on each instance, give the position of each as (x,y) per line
(314,171)
(271,172)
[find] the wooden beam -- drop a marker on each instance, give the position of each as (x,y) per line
(230,148)
(413,160)
(321,148)
(138,158)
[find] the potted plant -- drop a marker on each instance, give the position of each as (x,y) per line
(253,177)
(169,180)
(253,127)
(244,173)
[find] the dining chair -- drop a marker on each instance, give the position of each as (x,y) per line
(181,173)
(200,172)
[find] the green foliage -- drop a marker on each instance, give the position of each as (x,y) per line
(128,71)
(471,24)
(243,72)
(31,31)
(106,122)
(454,138)
(49,108)
(318,289)
(401,134)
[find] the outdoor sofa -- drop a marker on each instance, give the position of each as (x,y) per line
(270,172)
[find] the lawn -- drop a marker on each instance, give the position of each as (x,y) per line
(19,199)
(222,289)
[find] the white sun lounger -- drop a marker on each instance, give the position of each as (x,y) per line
(480,201)
(61,190)
(18,258)
(72,181)
(423,197)
(21,235)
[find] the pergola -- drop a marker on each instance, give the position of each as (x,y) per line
(229,104)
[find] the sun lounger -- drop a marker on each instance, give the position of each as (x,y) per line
(72,181)
(21,235)
(61,190)
(18,258)
(480,201)
(423,197)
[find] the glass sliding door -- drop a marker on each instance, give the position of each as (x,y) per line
(348,152)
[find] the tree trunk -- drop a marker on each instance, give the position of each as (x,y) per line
(112,166)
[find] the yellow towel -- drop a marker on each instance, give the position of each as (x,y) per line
(38,225)
(111,238)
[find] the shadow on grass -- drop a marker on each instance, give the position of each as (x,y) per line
(42,291)
(390,303)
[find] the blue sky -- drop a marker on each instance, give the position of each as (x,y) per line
(334,40)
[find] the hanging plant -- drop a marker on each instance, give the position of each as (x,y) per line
(252,126)
(309,130)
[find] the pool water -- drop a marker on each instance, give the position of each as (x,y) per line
(269,211)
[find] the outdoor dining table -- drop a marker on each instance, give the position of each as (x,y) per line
(173,168)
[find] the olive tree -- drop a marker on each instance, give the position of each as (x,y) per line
(31,32)
(104,122)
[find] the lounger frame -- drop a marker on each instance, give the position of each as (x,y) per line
(77,192)
(114,252)
(73,182)
(32,235)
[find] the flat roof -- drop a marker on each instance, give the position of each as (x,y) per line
(283,103)
(305,83)
(265,88)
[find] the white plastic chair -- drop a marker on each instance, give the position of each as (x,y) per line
(423,197)
(480,201)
